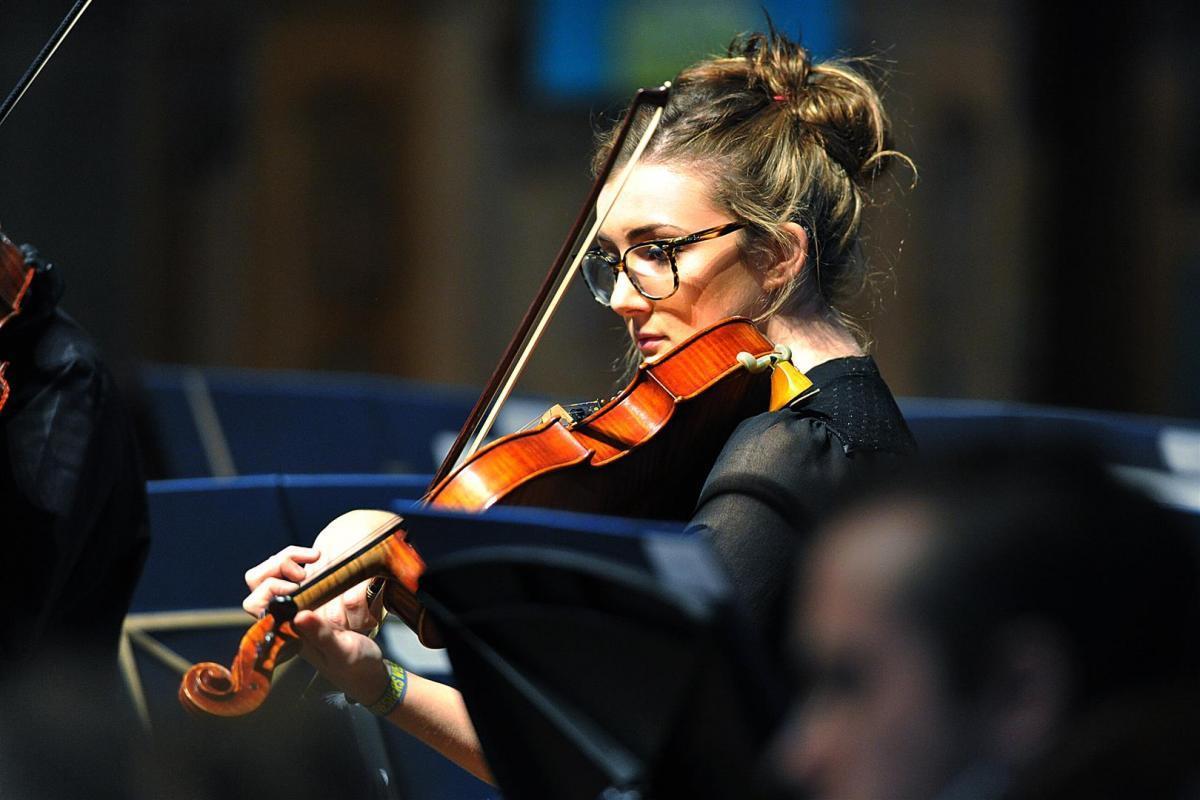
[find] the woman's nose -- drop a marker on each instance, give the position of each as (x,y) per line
(626,300)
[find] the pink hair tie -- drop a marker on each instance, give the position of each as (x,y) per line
(779,98)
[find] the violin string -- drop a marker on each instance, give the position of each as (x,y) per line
(43,58)
(518,366)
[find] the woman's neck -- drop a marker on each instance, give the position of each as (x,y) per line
(813,340)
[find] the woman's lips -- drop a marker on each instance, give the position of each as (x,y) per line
(650,344)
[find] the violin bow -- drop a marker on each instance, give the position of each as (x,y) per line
(508,371)
(47,52)
(537,316)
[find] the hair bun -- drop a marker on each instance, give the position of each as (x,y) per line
(845,111)
(840,106)
(777,65)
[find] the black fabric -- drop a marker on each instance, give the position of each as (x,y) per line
(779,471)
(72,498)
(544,639)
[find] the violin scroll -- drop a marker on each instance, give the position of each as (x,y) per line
(211,688)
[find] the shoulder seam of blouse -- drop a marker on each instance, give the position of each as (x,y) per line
(857,408)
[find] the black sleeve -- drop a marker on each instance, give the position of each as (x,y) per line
(772,479)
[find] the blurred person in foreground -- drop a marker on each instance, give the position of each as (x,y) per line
(74,529)
(999,625)
(74,524)
(73,501)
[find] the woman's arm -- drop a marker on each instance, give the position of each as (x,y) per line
(432,712)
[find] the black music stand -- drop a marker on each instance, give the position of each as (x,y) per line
(598,658)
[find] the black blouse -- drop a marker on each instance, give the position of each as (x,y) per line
(779,470)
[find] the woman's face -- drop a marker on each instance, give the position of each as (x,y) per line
(660,201)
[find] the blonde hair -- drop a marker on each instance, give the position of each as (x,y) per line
(782,139)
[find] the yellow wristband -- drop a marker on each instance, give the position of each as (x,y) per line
(393,695)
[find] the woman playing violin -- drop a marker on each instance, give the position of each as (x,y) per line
(748,201)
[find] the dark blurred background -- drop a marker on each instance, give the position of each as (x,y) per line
(380,186)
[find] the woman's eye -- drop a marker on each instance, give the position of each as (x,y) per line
(657,254)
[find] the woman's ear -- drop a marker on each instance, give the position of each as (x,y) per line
(794,260)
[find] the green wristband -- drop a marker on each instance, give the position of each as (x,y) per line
(393,695)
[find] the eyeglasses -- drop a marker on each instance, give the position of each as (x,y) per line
(650,266)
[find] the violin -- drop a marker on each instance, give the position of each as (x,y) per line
(644,453)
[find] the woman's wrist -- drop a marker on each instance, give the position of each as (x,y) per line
(386,700)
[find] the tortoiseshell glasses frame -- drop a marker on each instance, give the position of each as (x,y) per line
(650,266)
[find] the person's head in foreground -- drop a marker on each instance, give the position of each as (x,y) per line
(1007,625)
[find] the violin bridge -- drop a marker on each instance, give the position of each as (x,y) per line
(572,413)
(555,412)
